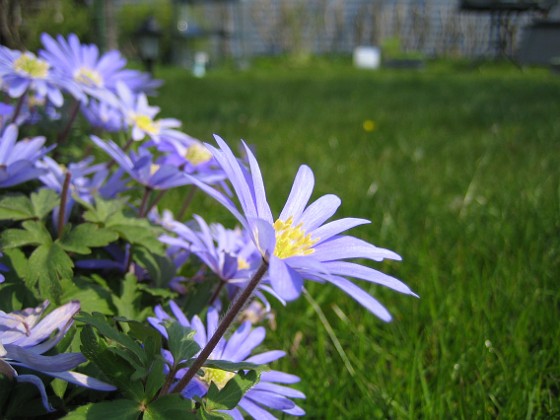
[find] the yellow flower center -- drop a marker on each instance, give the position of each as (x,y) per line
(88,77)
(31,66)
(146,124)
(292,240)
(197,154)
(154,168)
(242,264)
(218,376)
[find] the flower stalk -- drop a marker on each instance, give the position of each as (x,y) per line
(229,317)
(63,201)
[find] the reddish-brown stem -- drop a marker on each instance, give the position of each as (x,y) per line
(63,201)
(229,317)
(63,135)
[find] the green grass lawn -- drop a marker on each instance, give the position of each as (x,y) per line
(461,176)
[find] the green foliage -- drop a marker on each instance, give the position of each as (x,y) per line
(56,17)
(228,397)
(21,207)
(461,177)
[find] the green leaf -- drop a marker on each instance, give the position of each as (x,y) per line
(21,207)
(33,233)
(137,231)
(156,291)
(181,341)
(116,409)
(114,367)
(16,260)
(15,207)
(102,210)
(98,321)
(92,296)
(85,236)
(229,396)
(170,406)
(128,303)
(155,378)
(48,265)
(43,202)
(160,268)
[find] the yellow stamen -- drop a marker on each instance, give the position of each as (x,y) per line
(242,264)
(197,154)
(154,168)
(32,66)
(146,124)
(292,240)
(88,77)
(218,376)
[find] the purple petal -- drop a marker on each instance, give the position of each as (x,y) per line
(83,380)
(302,189)
(342,247)
(361,296)
(266,357)
(263,209)
(279,389)
(60,319)
(335,227)
(344,268)
(254,410)
(319,211)
(284,280)
(280,377)
(252,340)
(56,363)
(264,236)
(268,399)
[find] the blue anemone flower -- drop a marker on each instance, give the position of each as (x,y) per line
(18,159)
(26,335)
(142,168)
(23,71)
(299,244)
(266,394)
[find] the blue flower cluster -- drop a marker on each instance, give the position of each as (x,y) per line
(75,85)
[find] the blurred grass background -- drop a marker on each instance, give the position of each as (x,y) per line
(458,167)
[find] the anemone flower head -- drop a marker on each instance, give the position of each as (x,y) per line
(26,335)
(142,168)
(103,116)
(266,394)
(192,156)
(94,74)
(140,117)
(229,253)
(298,244)
(23,71)
(18,159)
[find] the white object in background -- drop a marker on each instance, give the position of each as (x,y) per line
(201,59)
(367,57)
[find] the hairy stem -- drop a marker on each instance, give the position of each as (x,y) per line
(229,317)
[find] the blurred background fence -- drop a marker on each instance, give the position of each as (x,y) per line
(240,29)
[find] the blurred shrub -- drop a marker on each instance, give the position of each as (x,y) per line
(131,16)
(56,17)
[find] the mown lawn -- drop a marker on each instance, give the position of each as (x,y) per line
(461,176)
